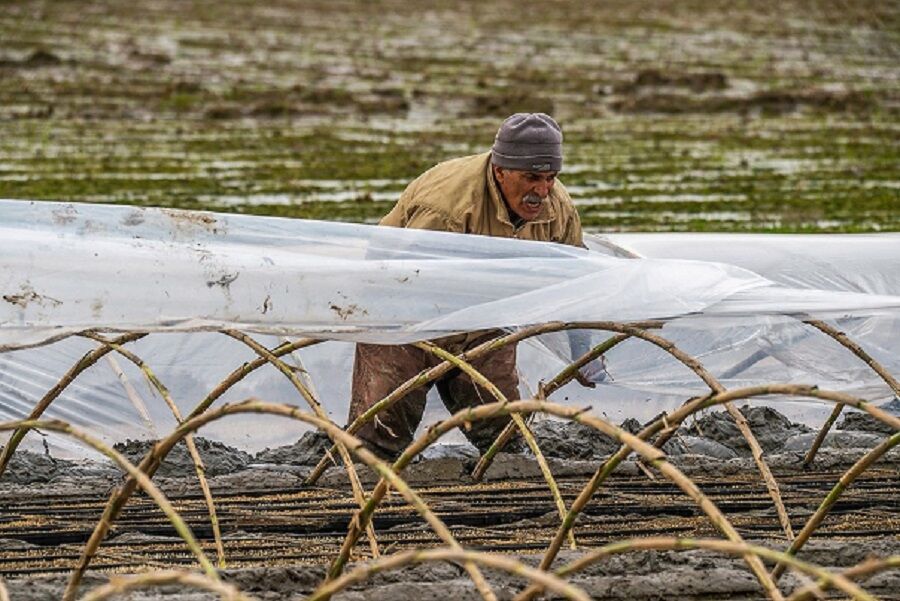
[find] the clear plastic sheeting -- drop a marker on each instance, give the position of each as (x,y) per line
(67,268)
(867,263)
(183,276)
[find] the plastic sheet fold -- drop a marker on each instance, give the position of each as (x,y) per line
(67,268)
(735,302)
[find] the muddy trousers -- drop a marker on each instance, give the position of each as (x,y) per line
(379,369)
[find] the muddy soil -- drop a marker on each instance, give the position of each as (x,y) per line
(707,446)
(306,451)
(218,458)
(771,428)
(858,420)
(286,563)
(27,467)
(712,435)
(686,575)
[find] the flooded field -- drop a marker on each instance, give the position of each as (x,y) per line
(728,116)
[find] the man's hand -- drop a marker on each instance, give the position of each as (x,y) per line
(594,372)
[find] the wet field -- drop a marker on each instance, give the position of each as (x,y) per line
(726,116)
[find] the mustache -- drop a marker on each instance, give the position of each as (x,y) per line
(532,198)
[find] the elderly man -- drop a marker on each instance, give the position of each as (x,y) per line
(511,192)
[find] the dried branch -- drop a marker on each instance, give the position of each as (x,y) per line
(517,420)
(82,364)
(820,437)
(404,558)
(151,462)
(650,453)
(314,404)
(866,568)
(857,350)
(199,468)
(545,390)
(430,375)
(122,584)
(158,497)
(831,498)
(673,420)
(683,544)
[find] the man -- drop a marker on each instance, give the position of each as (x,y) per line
(510,192)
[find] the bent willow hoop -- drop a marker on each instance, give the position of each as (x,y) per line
(535,580)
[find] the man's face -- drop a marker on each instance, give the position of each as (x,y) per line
(525,191)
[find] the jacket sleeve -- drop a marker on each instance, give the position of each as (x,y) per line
(420,217)
(429,218)
(411,212)
(570,222)
(573,235)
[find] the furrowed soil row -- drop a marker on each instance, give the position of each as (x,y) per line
(262,529)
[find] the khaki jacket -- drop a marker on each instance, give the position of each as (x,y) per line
(460,195)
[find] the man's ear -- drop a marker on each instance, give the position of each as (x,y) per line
(498,172)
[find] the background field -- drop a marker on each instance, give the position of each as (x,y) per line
(689,115)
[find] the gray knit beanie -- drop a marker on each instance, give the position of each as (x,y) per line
(528,142)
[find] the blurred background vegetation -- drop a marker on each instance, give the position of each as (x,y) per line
(678,115)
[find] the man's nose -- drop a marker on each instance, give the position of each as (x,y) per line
(542,189)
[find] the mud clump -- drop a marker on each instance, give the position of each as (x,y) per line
(893,407)
(462,451)
(846,440)
(26,467)
(865,423)
(771,428)
(633,426)
(860,421)
(218,458)
(571,440)
(697,82)
(696,445)
(63,476)
(307,451)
